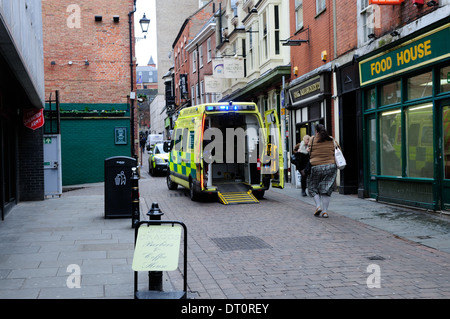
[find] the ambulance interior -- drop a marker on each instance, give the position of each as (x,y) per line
(237,163)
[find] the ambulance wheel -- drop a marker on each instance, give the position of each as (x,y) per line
(192,193)
(171,184)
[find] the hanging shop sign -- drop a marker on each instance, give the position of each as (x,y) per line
(33,118)
(229,68)
(425,49)
(212,84)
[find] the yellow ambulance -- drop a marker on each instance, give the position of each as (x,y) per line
(226,149)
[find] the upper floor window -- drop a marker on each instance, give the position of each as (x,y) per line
(194,61)
(298,14)
(265,48)
(200,56)
(320,6)
(367,19)
(208,50)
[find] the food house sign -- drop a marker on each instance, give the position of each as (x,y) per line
(427,48)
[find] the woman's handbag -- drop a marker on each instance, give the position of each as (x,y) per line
(339,157)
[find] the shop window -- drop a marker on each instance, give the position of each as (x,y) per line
(390,140)
(371,100)
(391,93)
(419,141)
(420,86)
(445,79)
(446,140)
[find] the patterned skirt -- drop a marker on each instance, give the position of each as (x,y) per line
(322,179)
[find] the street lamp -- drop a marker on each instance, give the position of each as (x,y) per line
(144,22)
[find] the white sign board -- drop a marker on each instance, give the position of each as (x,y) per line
(213,85)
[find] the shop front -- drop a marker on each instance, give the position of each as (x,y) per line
(406,120)
(309,104)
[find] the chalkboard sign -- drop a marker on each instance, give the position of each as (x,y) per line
(157,248)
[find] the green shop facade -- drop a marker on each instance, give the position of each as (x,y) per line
(406,119)
(91,133)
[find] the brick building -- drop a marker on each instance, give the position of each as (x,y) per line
(189,66)
(21,89)
(87,49)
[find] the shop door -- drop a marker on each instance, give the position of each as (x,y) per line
(444,155)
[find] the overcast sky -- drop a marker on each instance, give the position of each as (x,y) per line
(145,48)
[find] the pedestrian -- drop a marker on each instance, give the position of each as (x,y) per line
(142,142)
(322,179)
(301,155)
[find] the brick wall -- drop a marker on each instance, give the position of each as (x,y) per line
(30,164)
(72,34)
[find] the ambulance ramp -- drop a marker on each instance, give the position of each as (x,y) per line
(235,193)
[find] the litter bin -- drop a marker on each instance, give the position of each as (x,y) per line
(118,186)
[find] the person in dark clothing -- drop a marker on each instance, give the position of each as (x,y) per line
(301,158)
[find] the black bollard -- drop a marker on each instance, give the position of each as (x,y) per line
(155,278)
(135,218)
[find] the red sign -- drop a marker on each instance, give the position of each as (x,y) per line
(33,118)
(385,2)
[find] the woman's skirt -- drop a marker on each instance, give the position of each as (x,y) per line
(322,179)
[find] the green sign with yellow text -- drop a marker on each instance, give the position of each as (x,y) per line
(427,48)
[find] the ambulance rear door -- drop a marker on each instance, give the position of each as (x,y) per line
(272,163)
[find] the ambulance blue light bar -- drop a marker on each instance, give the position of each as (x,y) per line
(230,107)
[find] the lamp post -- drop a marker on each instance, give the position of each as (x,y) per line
(144,22)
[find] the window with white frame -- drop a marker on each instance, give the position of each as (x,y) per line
(251,51)
(194,61)
(298,14)
(320,6)
(201,92)
(265,48)
(367,19)
(208,49)
(200,56)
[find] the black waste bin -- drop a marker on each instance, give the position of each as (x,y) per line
(118,185)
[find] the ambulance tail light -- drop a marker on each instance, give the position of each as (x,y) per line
(258,165)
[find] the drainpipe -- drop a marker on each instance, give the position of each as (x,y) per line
(130,15)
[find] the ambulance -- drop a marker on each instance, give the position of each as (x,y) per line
(226,149)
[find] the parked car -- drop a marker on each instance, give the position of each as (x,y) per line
(158,160)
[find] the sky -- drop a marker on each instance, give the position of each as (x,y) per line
(145,48)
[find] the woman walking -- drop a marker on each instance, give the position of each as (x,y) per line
(323,170)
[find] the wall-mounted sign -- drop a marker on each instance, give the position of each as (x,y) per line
(120,136)
(33,118)
(425,49)
(385,2)
(306,89)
